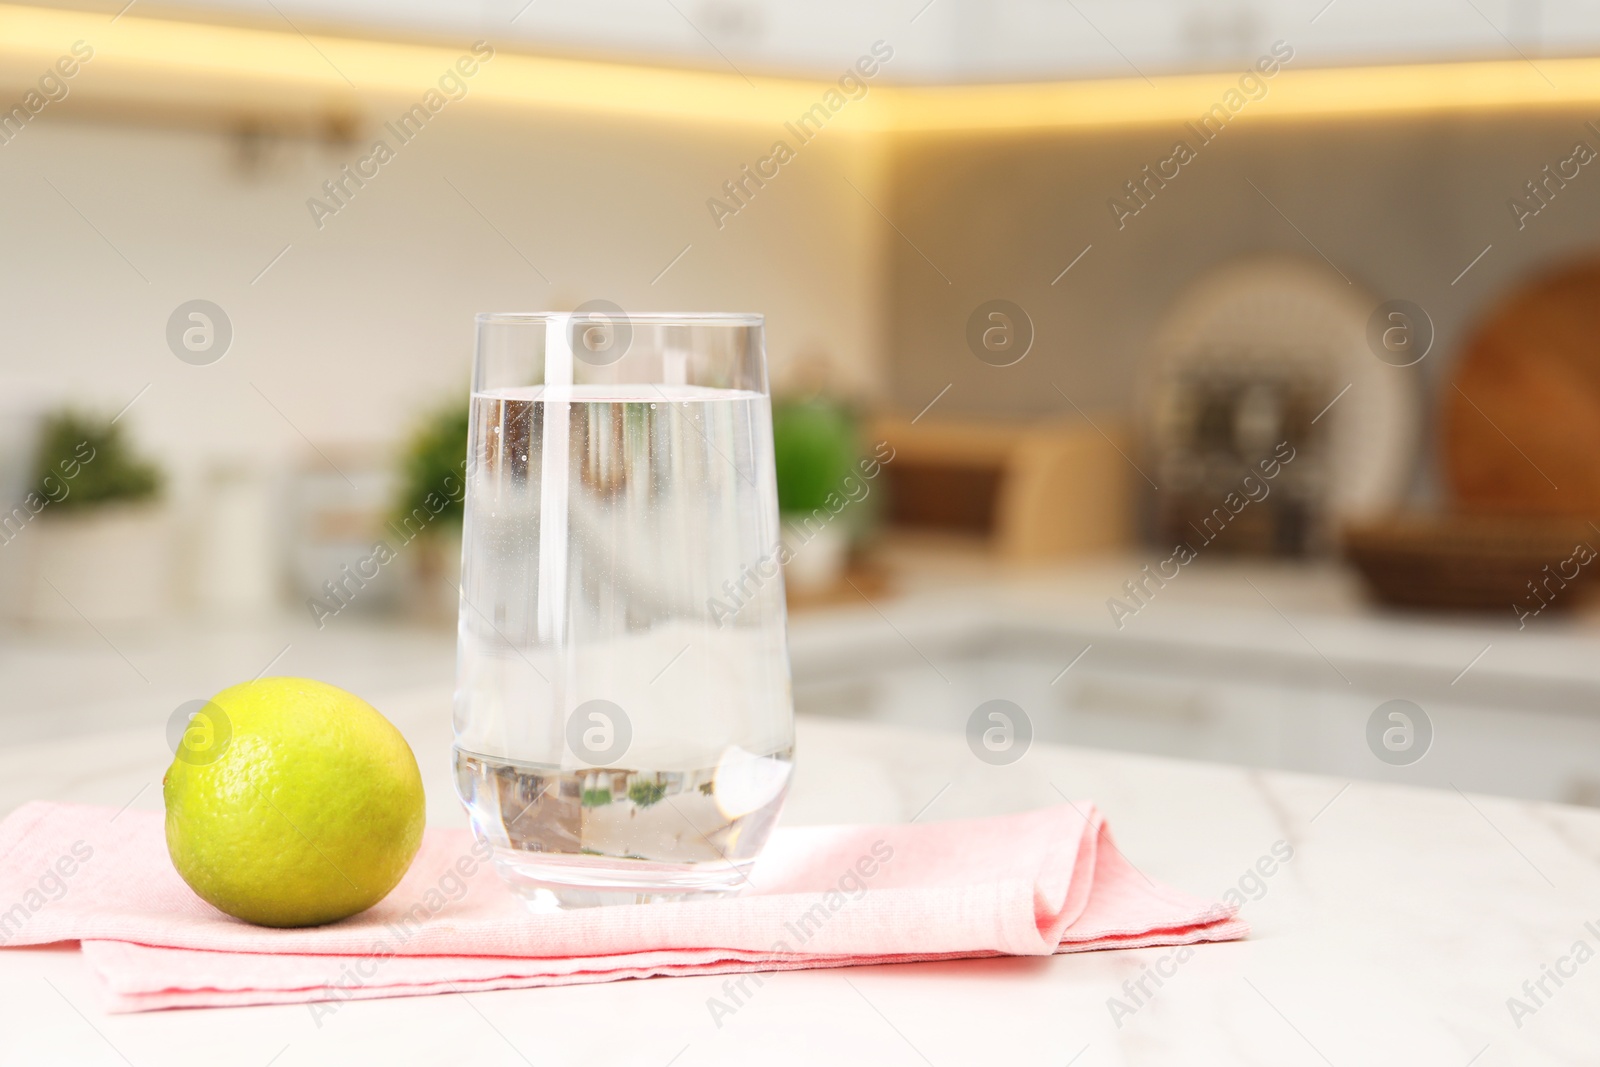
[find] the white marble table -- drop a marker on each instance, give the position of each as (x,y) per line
(1395,935)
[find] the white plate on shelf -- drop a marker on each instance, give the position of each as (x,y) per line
(1288,314)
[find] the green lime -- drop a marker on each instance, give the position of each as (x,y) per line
(292,803)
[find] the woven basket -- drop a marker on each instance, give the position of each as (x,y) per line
(1476,563)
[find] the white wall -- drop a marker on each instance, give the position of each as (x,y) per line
(367,322)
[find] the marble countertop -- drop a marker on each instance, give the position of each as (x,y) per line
(1395,933)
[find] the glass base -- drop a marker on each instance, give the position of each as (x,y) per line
(552,881)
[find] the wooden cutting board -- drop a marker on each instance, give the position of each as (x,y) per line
(1520,420)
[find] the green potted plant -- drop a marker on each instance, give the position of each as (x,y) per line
(426,523)
(91,533)
(819,488)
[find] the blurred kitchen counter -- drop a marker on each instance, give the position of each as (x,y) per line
(72,679)
(1272,665)
(1311,621)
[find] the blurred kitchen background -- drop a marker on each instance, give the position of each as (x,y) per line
(1200,376)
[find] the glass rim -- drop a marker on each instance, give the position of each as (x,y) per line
(652,318)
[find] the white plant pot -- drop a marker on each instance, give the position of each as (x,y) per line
(816,559)
(106,564)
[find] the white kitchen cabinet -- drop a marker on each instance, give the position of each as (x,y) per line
(968,40)
(1228,686)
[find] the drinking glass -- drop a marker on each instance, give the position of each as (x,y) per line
(624,726)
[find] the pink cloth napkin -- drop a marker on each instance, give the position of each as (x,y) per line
(1031,884)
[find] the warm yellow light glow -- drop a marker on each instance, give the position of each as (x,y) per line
(161,62)
(1347,91)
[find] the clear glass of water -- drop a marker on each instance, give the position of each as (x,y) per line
(624,726)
